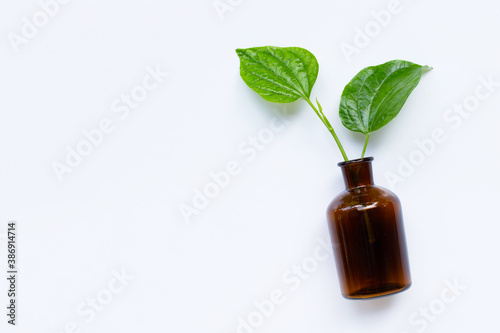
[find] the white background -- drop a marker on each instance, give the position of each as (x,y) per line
(120,208)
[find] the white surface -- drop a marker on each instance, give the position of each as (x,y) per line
(119,209)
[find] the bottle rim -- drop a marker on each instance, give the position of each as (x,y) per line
(358,160)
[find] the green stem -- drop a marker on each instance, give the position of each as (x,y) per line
(328,125)
(366,143)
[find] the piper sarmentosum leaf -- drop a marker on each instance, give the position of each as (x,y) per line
(279,74)
(377,93)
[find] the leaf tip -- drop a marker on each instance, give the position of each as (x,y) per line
(426,68)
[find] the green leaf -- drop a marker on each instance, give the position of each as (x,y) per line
(377,93)
(279,74)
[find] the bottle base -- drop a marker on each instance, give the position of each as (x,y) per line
(378,291)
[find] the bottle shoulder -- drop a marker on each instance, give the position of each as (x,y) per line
(365,196)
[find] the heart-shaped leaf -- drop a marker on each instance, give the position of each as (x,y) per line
(279,74)
(377,93)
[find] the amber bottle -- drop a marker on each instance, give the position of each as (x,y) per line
(366,228)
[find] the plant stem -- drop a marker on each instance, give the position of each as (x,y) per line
(366,143)
(328,125)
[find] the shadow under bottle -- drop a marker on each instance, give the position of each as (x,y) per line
(367,232)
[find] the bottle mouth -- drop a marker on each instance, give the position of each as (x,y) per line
(358,160)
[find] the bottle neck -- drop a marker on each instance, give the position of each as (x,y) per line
(357,172)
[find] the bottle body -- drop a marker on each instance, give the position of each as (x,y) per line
(368,238)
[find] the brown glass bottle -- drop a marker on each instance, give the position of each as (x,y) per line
(366,228)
